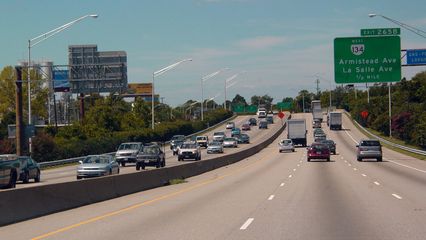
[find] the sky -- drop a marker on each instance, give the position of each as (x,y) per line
(278,47)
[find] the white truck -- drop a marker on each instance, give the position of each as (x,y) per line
(297,131)
(316,110)
(335,120)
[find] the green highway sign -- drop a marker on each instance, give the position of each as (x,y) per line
(284,105)
(380,31)
(367,59)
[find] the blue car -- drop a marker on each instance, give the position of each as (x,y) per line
(235,131)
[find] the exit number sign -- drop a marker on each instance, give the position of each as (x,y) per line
(380,31)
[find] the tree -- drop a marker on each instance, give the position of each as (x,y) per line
(238,99)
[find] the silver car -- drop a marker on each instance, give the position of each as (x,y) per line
(127,152)
(230,142)
(215,147)
(369,148)
(286,145)
(96,166)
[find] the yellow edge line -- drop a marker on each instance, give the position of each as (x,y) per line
(91,220)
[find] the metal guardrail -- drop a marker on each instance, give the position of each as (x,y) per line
(413,150)
(76,159)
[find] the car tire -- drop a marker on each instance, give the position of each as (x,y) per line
(199,158)
(12,180)
(293,150)
(26,177)
(143,166)
(379,159)
(123,164)
(359,159)
(138,167)
(37,177)
(118,170)
(163,163)
(110,172)
(280,151)
(78,177)
(158,165)
(328,159)
(309,159)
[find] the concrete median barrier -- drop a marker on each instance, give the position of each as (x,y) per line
(26,203)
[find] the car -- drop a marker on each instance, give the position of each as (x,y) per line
(176,139)
(270,119)
(219,136)
(230,125)
(202,141)
(263,124)
(19,168)
(331,144)
(286,145)
(316,124)
(369,148)
(176,146)
(318,151)
(320,137)
(30,169)
(97,165)
(230,142)
(262,114)
(245,127)
(189,150)
(243,138)
(252,122)
(235,131)
(215,147)
(151,155)
(318,131)
(127,152)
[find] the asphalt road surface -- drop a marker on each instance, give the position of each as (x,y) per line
(270,195)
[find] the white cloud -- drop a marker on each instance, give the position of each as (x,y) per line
(262,42)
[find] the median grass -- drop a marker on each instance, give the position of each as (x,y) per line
(176,181)
(390,139)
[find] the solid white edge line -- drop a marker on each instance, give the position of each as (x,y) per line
(403,165)
(377,183)
(246,224)
(396,195)
(271,197)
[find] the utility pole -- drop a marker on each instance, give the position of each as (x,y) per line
(19,123)
(317,82)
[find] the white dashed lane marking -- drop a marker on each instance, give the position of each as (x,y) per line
(271,197)
(397,196)
(377,183)
(246,224)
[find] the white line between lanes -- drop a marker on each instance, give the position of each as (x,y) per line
(364,175)
(271,197)
(397,196)
(282,184)
(246,224)
(377,183)
(294,169)
(355,169)
(289,176)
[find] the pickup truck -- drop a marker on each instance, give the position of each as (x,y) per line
(9,167)
(202,141)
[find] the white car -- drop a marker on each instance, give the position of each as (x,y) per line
(219,136)
(215,147)
(230,125)
(230,142)
(286,145)
(189,150)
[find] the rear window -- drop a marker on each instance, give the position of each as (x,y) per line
(370,143)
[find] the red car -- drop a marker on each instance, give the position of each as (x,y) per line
(245,127)
(318,151)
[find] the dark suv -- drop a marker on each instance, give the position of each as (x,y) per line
(151,155)
(369,148)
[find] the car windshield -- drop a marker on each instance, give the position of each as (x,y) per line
(96,159)
(370,143)
(244,135)
(129,146)
(150,150)
(188,145)
(8,157)
(177,137)
(201,138)
(214,144)
(219,134)
(286,142)
(229,139)
(319,147)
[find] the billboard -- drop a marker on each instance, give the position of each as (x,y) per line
(61,82)
(140,88)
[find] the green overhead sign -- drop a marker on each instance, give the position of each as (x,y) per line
(380,31)
(284,105)
(367,59)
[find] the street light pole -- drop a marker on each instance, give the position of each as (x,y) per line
(156,74)
(412,29)
(226,81)
(203,79)
(34,41)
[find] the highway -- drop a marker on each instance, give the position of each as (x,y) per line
(269,195)
(68,173)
